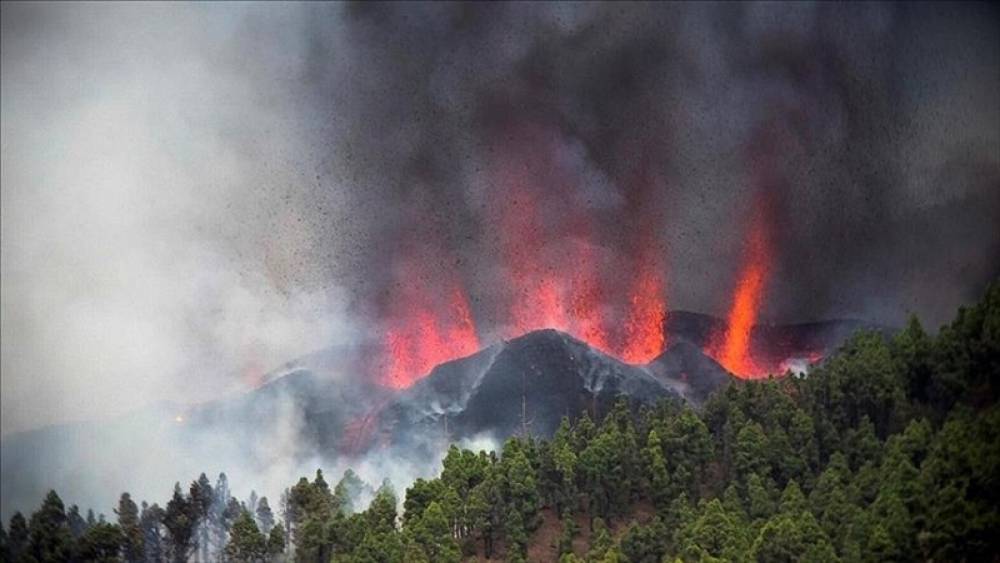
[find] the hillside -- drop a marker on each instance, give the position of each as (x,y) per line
(888,451)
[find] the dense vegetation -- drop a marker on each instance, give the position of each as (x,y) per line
(888,451)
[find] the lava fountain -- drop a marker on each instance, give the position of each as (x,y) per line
(734,350)
(427,326)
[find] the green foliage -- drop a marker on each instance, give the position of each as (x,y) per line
(49,535)
(128,522)
(645,544)
(888,451)
(569,531)
(276,541)
(101,543)
(433,534)
(246,543)
(180,519)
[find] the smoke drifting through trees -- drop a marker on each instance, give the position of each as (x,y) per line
(193,194)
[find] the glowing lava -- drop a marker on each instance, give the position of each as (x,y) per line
(734,352)
(556,270)
(551,253)
(735,348)
(426,331)
(644,338)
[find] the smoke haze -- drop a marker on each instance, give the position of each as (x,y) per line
(193,194)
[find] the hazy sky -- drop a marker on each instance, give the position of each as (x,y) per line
(195,193)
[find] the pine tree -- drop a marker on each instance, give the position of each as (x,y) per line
(569,531)
(600,541)
(347,492)
(246,543)
(180,520)
(151,522)
(220,515)
(131,534)
(77,525)
(265,518)
(102,543)
(521,491)
(644,544)
(276,542)
(50,537)
(433,534)
(486,508)
(516,535)
(18,537)
(4,545)
(203,498)
(656,470)
(715,533)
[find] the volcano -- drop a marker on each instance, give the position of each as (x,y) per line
(326,406)
(524,385)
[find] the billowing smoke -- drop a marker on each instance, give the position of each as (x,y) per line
(562,163)
(194,194)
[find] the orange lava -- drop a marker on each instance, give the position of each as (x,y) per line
(426,332)
(549,249)
(557,273)
(644,338)
(734,353)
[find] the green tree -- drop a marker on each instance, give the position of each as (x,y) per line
(265,518)
(644,544)
(246,543)
(128,523)
(520,491)
(656,470)
(347,492)
(151,523)
(50,538)
(202,501)
(516,535)
(77,525)
(601,541)
(569,531)
(486,509)
(180,520)
(790,537)
(18,538)
(750,454)
(276,542)
(715,533)
(758,501)
(432,532)
(102,543)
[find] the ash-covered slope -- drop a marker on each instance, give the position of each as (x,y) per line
(535,379)
(688,371)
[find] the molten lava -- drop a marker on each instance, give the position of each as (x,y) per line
(644,338)
(426,331)
(734,349)
(556,269)
(734,352)
(551,253)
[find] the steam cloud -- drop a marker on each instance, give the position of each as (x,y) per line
(194,194)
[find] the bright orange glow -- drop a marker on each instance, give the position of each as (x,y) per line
(425,332)
(556,272)
(644,338)
(735,351)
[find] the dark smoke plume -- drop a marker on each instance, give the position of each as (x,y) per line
(880,122)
